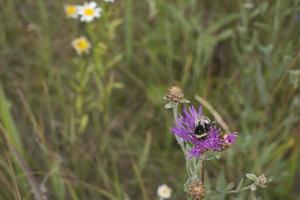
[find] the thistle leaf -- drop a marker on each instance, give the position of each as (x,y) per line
(251,176)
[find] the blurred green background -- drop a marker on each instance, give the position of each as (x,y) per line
(94,126)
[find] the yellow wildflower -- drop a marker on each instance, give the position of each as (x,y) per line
(71,11)
(81,45)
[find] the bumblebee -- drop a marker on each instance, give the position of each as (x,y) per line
(202,127)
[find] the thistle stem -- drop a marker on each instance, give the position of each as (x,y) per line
(202,170)
(175,111)
(175,114)
(240,190)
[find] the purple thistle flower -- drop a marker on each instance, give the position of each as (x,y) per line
(187,126)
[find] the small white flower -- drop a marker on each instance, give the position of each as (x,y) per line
(89,11)
(71,11)
(109,1)
(164,191)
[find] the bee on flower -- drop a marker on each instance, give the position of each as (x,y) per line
(81,45)
(193,127)
(89,11)
(164,192)
(71,11)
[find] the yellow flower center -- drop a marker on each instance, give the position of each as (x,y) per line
(89,12)
(82,44)
(71,10)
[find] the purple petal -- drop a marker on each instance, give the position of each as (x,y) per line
(230,138)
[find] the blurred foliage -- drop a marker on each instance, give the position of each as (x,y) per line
(95,127)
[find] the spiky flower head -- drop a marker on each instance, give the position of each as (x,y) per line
(212,139)
(174,94)
(262,180)
(196,190)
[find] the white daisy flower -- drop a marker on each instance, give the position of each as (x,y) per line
(164,191)
(89,11)
(71,11)
(81,45)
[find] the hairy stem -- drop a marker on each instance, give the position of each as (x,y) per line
(202,170)
(242,189)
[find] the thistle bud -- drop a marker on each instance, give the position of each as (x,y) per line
(196,190)
(174,94)
(262,180)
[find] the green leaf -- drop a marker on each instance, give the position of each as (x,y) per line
(229,186)
(218,156)
(170,105)
(145,153)
(240,184)
(83,123)
(185,101)
(118,85)
(253,187)
(251,176)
